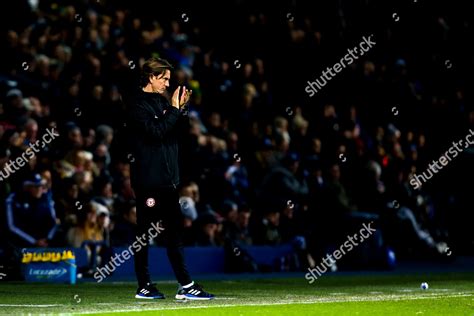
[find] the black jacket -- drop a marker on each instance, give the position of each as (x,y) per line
(153,131)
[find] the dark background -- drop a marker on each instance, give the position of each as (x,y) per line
(423,66)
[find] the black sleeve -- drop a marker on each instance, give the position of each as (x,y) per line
(144,122)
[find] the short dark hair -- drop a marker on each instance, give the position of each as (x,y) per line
(153,66)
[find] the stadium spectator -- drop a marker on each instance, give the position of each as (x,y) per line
(87,234)
(266,230)
(31,216)
(103,192)
(77,76)
(283,184)
(123,233)
(188,199)
(66,208)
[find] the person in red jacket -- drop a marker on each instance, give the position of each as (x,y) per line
(154,125)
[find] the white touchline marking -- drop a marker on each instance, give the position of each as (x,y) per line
(316,301)
(30,305)
(157,282)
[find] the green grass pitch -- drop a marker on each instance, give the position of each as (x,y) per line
(340,294)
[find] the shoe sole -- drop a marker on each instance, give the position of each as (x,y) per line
(195,298)
(149,298)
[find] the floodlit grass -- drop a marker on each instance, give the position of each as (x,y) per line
(380,294)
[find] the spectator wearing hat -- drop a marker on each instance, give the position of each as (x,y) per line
(31,217)
(103,221)
(103,226)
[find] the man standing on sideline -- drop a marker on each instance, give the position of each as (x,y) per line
(154,129)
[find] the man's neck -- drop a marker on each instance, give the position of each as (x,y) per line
(148,89)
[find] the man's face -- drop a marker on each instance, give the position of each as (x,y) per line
(244,219)
(132,216)
(161,82)
(195,192)
(35,191)
(75,137)
(274,218)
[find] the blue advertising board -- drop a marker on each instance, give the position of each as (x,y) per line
(49,265)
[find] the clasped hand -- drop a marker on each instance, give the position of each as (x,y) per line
(178,102)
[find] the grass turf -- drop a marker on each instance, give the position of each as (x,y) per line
(377,294)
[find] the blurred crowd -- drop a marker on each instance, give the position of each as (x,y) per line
(261,164)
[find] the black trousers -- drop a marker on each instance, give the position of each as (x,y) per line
(160,206)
